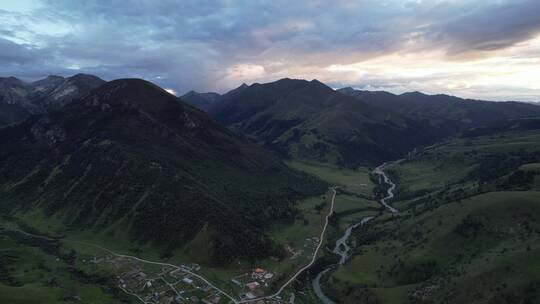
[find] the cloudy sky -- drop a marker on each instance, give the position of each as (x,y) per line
(486,49)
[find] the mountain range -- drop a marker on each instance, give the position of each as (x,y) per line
(129,153)
(19,99)
(101,153)
(444,109)
(309,120)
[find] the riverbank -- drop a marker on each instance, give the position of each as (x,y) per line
(341,247)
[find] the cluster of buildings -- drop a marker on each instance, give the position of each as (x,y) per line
(168,285)
(253,283)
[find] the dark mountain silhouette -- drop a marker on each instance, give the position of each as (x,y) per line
(128,152)
(307,119)
(202,101)
(453,113)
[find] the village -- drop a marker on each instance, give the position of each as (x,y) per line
(175,285)
(253,283)
(162,283)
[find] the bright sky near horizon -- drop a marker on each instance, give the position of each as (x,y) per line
(486,49)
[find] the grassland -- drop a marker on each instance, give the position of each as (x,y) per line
(461,236)
(292,235)
(35,271)
(357,181)
(467,233)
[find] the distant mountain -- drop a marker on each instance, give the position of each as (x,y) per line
(41,96)
(130,154)
(202,101)
(206,101)
(452,113)
(307,119)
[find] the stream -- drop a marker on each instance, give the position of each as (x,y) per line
(390,191)
(342,248)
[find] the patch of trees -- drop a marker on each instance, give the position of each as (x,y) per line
(319,207)
(413,273)
(469,227)
(519,179)
(349,293)
(493,166)
(7,259)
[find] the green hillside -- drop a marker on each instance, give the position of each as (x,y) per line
(468,230)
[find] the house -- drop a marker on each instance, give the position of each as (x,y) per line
(187,280)
(253,285)
(258,273)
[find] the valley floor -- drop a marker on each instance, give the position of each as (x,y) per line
(148,281)
(464,233)
(467,230)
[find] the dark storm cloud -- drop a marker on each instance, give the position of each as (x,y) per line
(15,54)
(491,27)
(194,44)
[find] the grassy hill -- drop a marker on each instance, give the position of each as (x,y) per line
(468,230)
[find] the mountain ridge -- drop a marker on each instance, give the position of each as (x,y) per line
(300,118)
(129,152)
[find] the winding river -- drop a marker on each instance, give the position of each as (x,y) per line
(342,248)
(390,191)
(317,287)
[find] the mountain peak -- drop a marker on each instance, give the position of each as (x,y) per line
(192,92)
(201,101)
(414,93)
(346,90)
(51,80)
(51,77)
(134,93)
(86,77)
(131,85)
(131,88)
